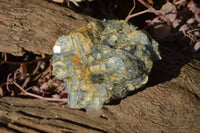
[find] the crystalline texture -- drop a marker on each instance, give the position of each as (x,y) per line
(103,61)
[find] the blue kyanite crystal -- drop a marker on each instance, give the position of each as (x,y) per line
(103,61)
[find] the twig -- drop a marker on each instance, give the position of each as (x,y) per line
(144,3)
(50,71)
(4,55)
(150,22)
(37,77)
(129,14)
(188,31)
(8,82)
(27,80)
(37,67)
(1,91)
(180,2)
(15,74)
(27,62)
(23,69)
(46,71)
(24,92)
(156,12)
(150,10)
(136,14)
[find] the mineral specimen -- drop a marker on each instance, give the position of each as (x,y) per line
(103,61)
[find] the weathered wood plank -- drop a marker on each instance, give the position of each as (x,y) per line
(34,26)
(169,106)
(38,115)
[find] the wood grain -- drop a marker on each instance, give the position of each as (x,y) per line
(34,26)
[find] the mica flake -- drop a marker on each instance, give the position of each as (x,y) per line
(103,61)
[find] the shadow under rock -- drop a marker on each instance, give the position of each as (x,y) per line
(169,67)
(163,70)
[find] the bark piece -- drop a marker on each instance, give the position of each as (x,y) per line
(34,26)
(40,116)
(167,105)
